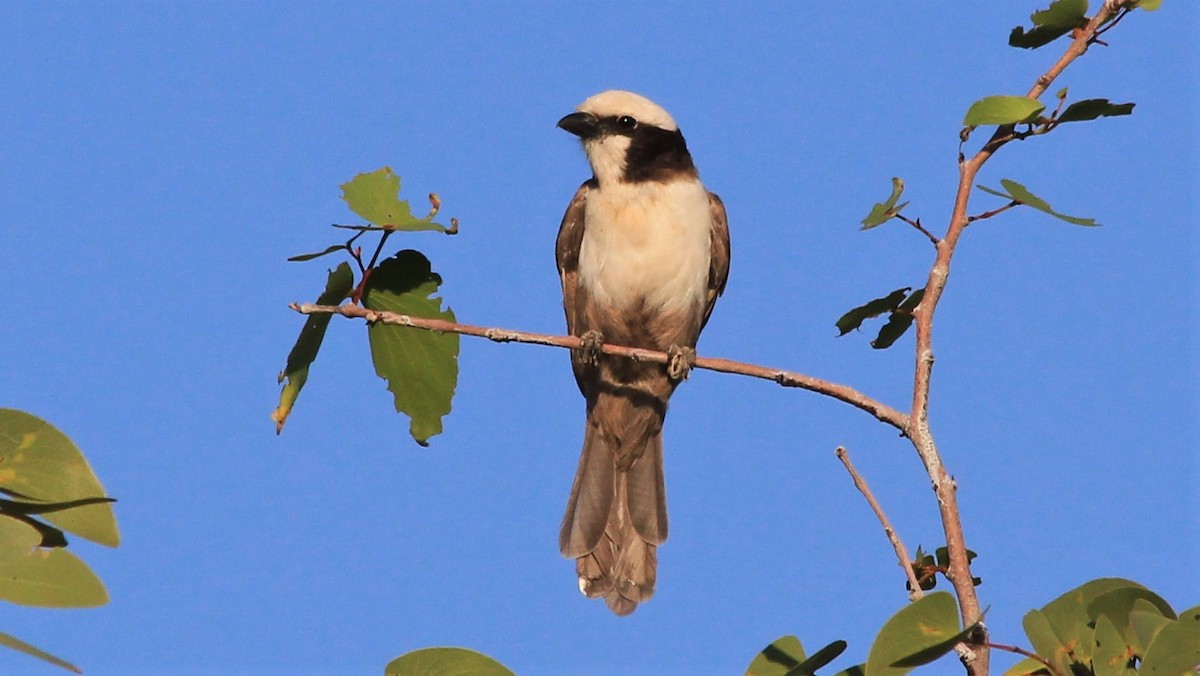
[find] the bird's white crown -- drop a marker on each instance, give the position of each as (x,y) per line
(616,102)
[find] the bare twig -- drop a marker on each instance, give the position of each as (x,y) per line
(993,212)
(860,483)
(849,395)
(1017,650)
(918,432)
(920,228)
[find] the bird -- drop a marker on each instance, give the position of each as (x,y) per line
(643,253)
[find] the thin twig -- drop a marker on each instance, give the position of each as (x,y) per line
(917,224)
(993,212)
(1017,650)
(849,395)
(1112,24)
(860,483)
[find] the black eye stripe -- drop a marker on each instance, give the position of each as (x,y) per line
(620,125)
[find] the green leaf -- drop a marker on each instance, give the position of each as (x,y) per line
(1148,5)
(920,633)
(1109,650)
(898,323)
(375,196)
(1020,194)
(21,646)
(17,539)
(1118,604)
(1090,109)
(884,211)
(445,662)
(1050,24)
(943,553)
(896,326)
(421,367)
(1176,648)
(1067,615)
(778,659)
(39,464)
(1045,641)
(34,576)
(1061,13)
(1027,667)
(337,286)
(310,256)
(856,670)
(911,304)
(873,308)
(1146,622)
(819,659)
(785,657)
(1002,110)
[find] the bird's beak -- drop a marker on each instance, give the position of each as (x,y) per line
(583,125)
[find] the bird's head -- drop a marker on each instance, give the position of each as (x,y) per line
(629,139)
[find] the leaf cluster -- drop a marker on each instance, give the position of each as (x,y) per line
(899,305)
(1105,627)
(420,367)
(1061,18)
(1110,627)
(926,567)
(48,490)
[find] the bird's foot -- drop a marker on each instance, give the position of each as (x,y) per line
(590,344)
(680,361)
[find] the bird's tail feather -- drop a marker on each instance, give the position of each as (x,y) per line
(616,515)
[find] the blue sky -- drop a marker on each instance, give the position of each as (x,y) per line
(161,161)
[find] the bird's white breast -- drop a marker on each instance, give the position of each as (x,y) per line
(647,242)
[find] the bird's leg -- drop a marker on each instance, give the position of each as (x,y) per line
(680,361)
(590,344)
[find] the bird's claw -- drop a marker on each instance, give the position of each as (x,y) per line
(680,361)
(590,345)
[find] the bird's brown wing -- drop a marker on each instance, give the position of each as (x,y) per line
(566,254)
(718,266)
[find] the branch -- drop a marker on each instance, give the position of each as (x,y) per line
(918,432)
(849,395)
(860,483)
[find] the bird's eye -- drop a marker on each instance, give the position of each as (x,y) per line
(627,123)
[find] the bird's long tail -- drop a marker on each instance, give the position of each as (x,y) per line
(617,513)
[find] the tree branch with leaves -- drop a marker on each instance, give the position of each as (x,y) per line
(414,344)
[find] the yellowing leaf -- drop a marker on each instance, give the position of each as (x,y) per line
(304,352)
(34,576)
(39,465)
